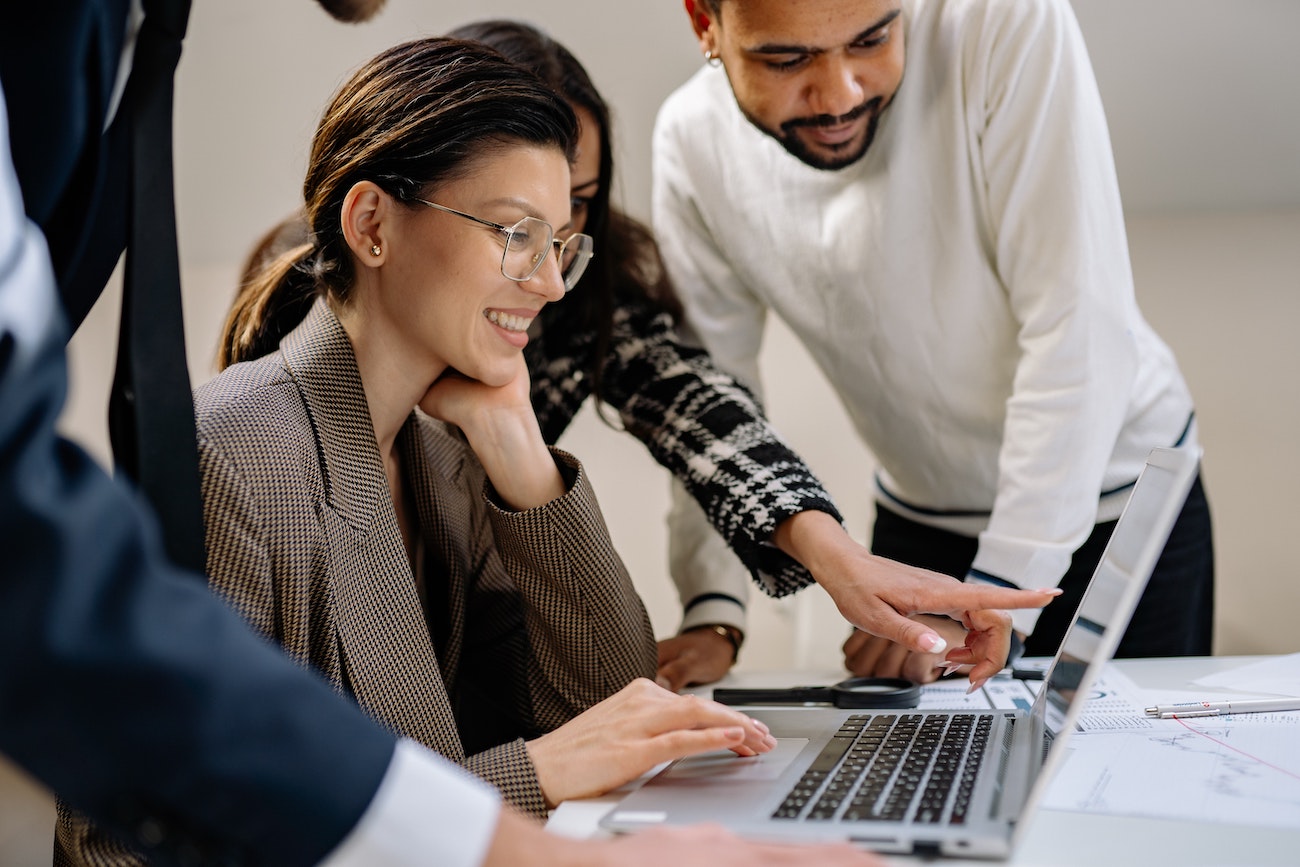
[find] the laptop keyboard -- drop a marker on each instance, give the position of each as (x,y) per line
(893,767)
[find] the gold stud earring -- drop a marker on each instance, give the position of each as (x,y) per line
(375,250)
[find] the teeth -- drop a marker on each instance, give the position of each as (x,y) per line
(509,321)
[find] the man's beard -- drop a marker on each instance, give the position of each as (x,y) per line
(789,139)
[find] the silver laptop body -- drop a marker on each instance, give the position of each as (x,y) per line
(799,790)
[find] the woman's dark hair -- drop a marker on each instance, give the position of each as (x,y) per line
(418,115)
(627,262)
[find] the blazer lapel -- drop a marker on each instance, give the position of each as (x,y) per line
(387,656)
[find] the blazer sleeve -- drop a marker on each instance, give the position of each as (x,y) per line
(508,768)
(587,630)
(130,688)
(239,565)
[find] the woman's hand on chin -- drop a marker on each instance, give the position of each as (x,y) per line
(502,430)
(457,399)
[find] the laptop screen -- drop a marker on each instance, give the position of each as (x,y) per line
(1121,575)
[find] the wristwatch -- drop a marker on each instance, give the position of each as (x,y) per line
(727,631)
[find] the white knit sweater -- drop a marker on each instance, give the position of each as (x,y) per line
(965,286)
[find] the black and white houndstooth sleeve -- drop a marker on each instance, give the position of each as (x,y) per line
(696,420)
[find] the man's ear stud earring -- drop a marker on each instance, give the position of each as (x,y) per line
(375,250)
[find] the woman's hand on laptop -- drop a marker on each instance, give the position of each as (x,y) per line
(630,732)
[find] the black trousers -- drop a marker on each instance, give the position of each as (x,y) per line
(1175,616)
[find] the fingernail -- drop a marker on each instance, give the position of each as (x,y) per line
(759,724)
(975,684)
(949,669)
(1055,591)
(662,682)
(734,734)
(933,643)
(770,742)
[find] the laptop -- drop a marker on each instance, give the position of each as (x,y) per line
(928,782)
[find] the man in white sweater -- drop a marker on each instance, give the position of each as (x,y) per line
(924,191)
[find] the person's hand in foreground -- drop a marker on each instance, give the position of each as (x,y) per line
(697,656)
(881,597)
(630,732)
(521,841)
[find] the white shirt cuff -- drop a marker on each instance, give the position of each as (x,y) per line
(711,611)
(426,811)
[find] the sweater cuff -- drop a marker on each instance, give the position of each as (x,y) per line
(713,608)
(1006,563)
(777,573)
(1023,620)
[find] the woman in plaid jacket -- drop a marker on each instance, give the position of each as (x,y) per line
(618,340)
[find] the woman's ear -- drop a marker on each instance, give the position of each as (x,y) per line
(365,219)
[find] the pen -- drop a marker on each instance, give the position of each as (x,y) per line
(1221,708)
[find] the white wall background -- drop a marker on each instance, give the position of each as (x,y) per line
(1203,100)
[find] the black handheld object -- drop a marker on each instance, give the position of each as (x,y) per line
(856,692)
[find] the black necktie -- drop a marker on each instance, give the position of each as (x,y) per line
(151,410)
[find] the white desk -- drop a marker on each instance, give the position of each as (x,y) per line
(1058,837)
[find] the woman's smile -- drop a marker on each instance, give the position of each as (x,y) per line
(511,324)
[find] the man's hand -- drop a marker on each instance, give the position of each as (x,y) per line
(980,645)
(988,641)
(881,596)
(867,655)
(694,657)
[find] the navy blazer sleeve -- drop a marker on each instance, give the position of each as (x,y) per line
(125,685)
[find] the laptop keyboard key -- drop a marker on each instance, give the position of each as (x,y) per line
(893,768)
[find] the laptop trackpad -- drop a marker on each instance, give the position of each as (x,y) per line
(724,766)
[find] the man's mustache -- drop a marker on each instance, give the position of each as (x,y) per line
(870,105)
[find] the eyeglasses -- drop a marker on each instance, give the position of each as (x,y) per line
(527,243)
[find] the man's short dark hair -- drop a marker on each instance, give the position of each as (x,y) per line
(351,10)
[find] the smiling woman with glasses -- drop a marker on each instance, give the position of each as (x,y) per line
(527,243)
(378,497)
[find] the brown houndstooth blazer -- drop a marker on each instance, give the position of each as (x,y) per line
(532,616)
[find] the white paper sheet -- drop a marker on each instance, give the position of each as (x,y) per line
(1278,676)
(1242,769)
(1238,770)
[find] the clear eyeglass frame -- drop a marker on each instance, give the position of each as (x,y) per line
(525,251)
